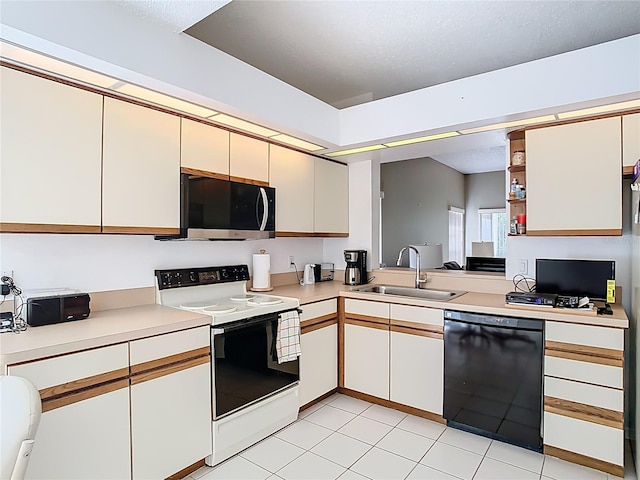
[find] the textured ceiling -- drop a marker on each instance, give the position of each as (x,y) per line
(350,52)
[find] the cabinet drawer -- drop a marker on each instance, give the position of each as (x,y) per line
(369,309)
(585,438)
(427,316)
(600,337)
(84,369)
(604,375)
(176,344)
(603,397)
(318,309)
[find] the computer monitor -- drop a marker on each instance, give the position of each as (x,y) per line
(583,278)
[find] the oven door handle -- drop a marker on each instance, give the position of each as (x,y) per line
(247,323)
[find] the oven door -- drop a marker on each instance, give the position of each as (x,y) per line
(245,366)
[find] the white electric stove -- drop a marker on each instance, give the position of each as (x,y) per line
(252,394)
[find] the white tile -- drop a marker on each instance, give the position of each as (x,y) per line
(330,399)
(274,477)
(452,460)
(379,464)
(341,449)
(237,468)
(350,404)
(384,415)
(422,472)
(272,454)
(422,426)
(562,470)
(330,417)
(519,457)
(491,469)
(351,475)
(304,434)
(310,467)
(468,441)
(406,444)
(202,471)
(365,430)
(308,411)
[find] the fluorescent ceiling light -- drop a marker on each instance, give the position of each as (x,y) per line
(517,123)
(602,109)
(244,125)
(164,100)
(57,67)
(296,142)
(355,150)
(421,139)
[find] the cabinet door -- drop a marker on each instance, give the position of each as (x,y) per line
(86,439)
(630,139)
(204,148)
(417,367)
(366,360)
(141,170)
(318,363)
(574,179)
(51,153)
(291,173)
(331,197)
(249,159)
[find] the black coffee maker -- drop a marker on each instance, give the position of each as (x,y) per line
(356,271)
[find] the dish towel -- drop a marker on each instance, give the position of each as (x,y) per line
(288,337)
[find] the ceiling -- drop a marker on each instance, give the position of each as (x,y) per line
(350,52)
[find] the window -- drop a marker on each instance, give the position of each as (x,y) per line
(456,235)
(494,228)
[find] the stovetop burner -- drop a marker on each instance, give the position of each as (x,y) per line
(264,300)
(241,298)
(220,309)
(198,305)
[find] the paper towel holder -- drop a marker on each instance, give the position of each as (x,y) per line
(260,262)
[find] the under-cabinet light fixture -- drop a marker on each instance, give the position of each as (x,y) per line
(243,125)
(602,109)
(296,142)
(409,141)
(515,123)
(355,150)
(164,100)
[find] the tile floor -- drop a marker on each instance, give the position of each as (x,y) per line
(349,439)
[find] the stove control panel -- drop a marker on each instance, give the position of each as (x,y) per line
(191,277)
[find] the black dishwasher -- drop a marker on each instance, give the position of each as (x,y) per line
(493,376)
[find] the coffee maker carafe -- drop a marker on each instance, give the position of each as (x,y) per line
(356,271)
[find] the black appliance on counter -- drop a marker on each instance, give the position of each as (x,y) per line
(215,209)
(356,271)
(493,376)
(581,278)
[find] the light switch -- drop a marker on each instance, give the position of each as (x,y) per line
(523,266)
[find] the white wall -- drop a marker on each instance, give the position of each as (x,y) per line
(112,262)
(482,190)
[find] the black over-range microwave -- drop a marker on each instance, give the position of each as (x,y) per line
(214,209)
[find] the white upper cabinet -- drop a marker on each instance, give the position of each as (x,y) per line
(204,148)
(630,139)
(291,173)
(141,170)
(249,159)
(331,197)
(574,178)
(51,138)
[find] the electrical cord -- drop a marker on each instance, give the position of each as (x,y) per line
(519,279)
(19,324)
(297,276)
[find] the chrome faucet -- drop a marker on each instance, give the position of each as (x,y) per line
(418,279)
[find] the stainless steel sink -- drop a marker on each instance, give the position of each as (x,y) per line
(426,293)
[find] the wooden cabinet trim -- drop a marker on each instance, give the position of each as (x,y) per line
(613,469)
(313,234)
(141,230)
(250,181)
(560,233)
(203,173)
(331,234)
(163,362)
(341,323)
(420,333)
(627,171)
(366,318)
(186,471)
(83,384)
(168,370)
(584,353)
(581,411)
(78,396)
(318,322)
(363,323)
(428,327)
(8,227)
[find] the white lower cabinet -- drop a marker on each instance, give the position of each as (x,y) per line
(366,360)
(417,367)
(87,439)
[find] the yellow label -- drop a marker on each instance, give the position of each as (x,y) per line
(611,291)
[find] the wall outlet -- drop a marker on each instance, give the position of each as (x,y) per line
(523,266)
(291,261)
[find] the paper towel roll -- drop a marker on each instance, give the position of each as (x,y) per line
(261,272)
